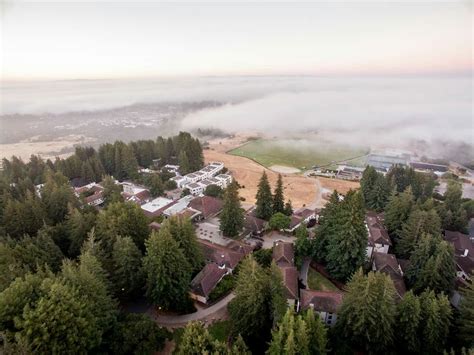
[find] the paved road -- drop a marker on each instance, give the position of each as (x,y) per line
(304,271)
(216,311)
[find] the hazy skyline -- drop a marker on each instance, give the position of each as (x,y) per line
(114,40)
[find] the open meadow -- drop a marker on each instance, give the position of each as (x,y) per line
(297,153)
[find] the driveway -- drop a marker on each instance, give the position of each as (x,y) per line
(269,239)
(217,311)
(304,271)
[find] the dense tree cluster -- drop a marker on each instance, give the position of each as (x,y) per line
(196,340)
(259,303)
(119,159)
(342,236)
(299,334)
(268,204)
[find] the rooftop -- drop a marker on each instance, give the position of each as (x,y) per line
(207,205)
(321,301)
(207,279)
(290,281)
(377,232)
(156,204)
(461,242)
(283,253)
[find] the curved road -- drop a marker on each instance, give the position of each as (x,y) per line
(216,311)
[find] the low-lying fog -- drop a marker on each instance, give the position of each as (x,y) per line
(370,111)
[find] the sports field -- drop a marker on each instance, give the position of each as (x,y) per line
(301,154)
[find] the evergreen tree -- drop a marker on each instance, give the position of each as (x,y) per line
(58,197)
(453,216)
(367,183)
(127,276)
(367,315)
(278,198)
(126,219)
(168,273)
(378,197)
(258,303)
(112,191)
(183,162)
(196,340)
(288,208)
(139,335)
(347,242)
(264,203)
(317,334)
(232,215)
(328,224)
(239,347)
(303,245)
(61,322)
(301,334)
(431,265)
(419,222)
(156,186)
(408,324)
(435,320)
(466,319)
(79,223)
(397,211)
(182,231)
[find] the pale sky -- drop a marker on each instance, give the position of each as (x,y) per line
(53,40)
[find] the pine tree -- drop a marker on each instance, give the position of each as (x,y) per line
(278,198)
(61,321)
(183,162)
(304,246)
(367,183)
(79,223)
(264,203)
(156,186)
(466,319)
(112,191)
(168,273)
(127,276)
(378,197)
(367,315)
(182,231)
(453,216)
(239,347)
(397,212)
(258,303)
(419,222)
(196,340)
(317,334)
(126,219)
(288,208)
(347,237)
(435,320)
(431,265)
(232,215)
(408,323)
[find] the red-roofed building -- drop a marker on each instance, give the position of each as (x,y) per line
(388,264)
(222,256)
(205,281)
(207,205)
(284,255)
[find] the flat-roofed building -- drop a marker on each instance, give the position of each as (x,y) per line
(156,207)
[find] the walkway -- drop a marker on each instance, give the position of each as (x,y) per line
(215,312)
(304,271)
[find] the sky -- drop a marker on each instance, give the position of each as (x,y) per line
(94,40)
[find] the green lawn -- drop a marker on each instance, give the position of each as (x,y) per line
(220,330)
(316,281)
(301,154)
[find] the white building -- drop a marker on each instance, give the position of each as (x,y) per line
(192,177)
(156,207)
(195,188)
(324,303)
(225,178)
(178,207)
(180,181)
(172,168)
(212,169)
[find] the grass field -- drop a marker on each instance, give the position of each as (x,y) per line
(316,281)
(301,154)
